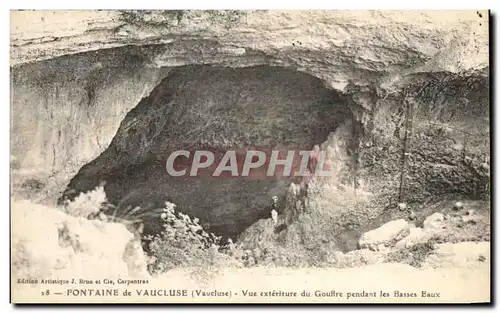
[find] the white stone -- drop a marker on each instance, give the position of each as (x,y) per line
(394,230)
(416,236)
(434,221)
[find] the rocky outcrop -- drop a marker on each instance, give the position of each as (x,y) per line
(444,241)
(416,235)
(47,242)
(385,235)
(346,44)
(434,245)
(435,221)
(375,66)
(66,111)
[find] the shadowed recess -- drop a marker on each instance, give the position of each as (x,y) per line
(200,107)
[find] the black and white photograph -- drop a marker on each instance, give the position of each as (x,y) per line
(250,156)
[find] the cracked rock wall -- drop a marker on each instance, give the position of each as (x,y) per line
(75,77)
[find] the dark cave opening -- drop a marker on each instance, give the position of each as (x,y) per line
(200,107)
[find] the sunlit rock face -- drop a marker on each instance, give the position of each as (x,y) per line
(65,111)
(110,94)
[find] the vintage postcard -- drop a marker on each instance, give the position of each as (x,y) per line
(209,156)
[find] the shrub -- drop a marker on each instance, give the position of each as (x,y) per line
(86,204)
(184,243)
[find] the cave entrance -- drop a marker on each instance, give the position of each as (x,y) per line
(200,107)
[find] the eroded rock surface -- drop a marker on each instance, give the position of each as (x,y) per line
(384,235)
(87,76)
(47,242)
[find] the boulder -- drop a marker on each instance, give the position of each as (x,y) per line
(416,235)
(47,242)
(458,205)
(385,235)
(434,221)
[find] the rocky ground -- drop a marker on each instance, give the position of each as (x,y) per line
(413,239)
(448,252)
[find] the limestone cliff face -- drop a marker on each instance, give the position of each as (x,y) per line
(338,46)
(66,111)
(343,80)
